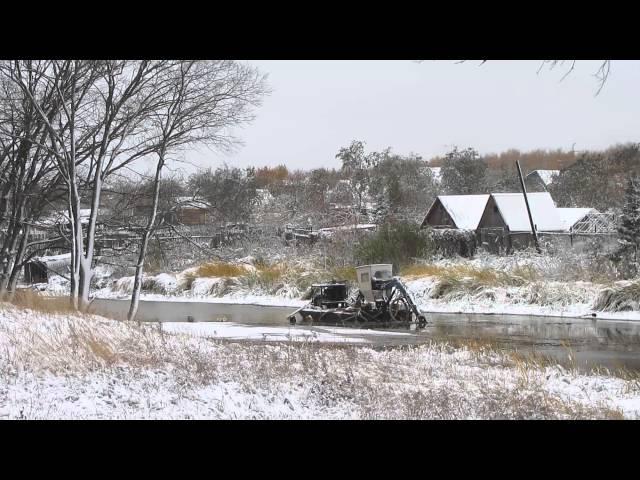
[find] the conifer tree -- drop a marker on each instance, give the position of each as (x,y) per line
(629,229)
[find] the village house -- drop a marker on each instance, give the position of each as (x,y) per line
(184,210)
(192,211)
(48,225)
(505,221)
(461,212)
(39,269)
(501,222)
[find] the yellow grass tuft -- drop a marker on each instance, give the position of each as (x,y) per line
(344,273)
(27,298)
(455,274)
(219,269)
(423,270)
(271,274)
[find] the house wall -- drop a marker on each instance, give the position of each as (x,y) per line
(492,232)
(491,217)
(35,272)
(192,216)
(438,217)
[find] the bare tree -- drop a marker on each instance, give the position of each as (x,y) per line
(96,125)
(203,99)
(230,191)
(357,166)
(28,181)
(602,74)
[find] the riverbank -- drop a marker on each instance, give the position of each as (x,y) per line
(571,300)
(64,365)
(520,284)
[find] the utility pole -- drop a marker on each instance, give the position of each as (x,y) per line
(526,202)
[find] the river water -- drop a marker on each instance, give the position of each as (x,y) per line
(583,343)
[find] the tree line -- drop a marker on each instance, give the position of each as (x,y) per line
(395,186)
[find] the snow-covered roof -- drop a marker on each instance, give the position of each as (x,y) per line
(464,210)
(546,175)
(54,261)
(513,209)
(54,258)
(62,216)
(192,202)
(570,216)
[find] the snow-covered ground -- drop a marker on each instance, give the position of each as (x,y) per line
(556,299)
(71,366)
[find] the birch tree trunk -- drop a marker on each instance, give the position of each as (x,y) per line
(17,265)
(137,283)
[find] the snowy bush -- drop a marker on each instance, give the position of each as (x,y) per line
(450,242)
(163,284)
(398,244)
(212,286)
(622,296)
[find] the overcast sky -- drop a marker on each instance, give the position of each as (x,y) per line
(319,106)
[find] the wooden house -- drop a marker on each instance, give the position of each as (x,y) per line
(192,211)
(39,269)
(455,211)
(505,224)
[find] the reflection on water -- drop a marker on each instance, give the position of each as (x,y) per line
(584,343)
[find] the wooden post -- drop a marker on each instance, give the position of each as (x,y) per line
(526,201)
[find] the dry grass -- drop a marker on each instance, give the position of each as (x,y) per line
(219,269)
(480,276)
(619,298)
(423,270)
(270,274)
(343,273)
(438,380)
(27,298)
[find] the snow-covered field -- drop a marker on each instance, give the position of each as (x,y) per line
(71,366)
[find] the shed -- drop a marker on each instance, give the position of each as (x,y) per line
(39,268)
(192,211)
(509,210)
(456,211)
(505,221)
